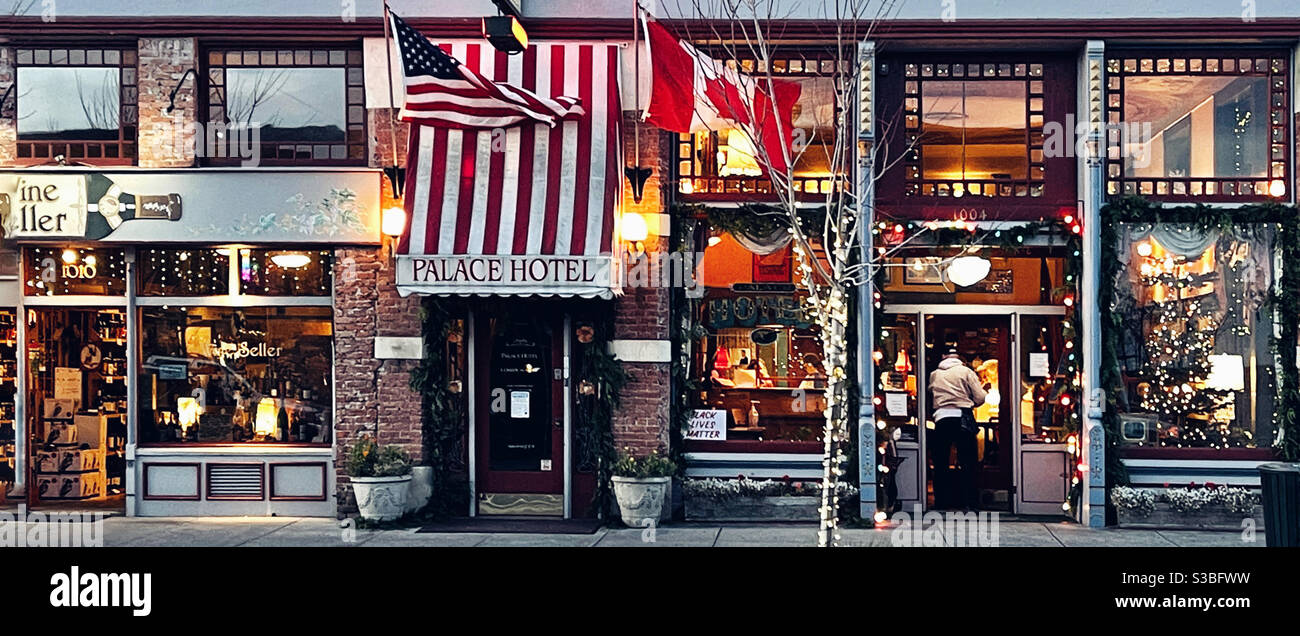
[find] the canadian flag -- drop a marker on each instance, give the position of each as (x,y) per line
(691,92)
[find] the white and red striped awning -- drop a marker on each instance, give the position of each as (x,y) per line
(523,210)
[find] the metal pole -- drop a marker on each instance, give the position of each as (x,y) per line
(132,379)
(472,410)
(866,303)
(1093,446)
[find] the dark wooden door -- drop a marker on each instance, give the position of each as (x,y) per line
(520,402)
(984,343)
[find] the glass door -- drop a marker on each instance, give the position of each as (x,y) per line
(900,380)
(983,344)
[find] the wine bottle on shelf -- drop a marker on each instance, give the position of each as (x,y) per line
(282,423)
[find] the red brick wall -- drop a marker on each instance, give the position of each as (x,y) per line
(372,395)
(641,425)
(166,140)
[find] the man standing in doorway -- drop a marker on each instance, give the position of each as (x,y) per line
(955,391)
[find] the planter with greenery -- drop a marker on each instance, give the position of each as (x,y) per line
(640,484)
(380,476)
(743,499)
(1207,507)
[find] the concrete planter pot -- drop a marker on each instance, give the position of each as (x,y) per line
(421,489)
(640,500)
(1212,518)
(753,509)
(381,498)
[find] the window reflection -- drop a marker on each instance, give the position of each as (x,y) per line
(974,130)
(1201,126)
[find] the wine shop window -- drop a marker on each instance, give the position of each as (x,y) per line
(236,375)
(1193,338)
(76,103)
(1211,127)
(288,106)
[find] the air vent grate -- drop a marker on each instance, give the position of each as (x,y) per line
(236,481)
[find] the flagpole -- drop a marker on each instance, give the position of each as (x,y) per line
(392,101)
(636,74)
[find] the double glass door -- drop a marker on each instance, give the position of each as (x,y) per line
(1014,352)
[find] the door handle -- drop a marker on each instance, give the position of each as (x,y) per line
(558,423)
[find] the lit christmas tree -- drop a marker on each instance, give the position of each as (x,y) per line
(1178,349)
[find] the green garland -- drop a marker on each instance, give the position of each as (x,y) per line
(443,423)
(1284,301)
(685,332)
(600,379)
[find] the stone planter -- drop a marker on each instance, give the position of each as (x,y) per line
(381,498)
(753,509)
(1210,518)
(421,488)
(640,501)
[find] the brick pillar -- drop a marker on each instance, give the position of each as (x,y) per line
(8,109)
(166,140)
(643,314)
(372,395)
(385,133)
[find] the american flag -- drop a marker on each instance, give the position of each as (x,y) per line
(440,91)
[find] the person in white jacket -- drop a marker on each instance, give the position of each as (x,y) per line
(955,391)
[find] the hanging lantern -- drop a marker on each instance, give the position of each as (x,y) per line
(968,270)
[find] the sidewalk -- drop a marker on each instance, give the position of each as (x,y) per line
(302,532)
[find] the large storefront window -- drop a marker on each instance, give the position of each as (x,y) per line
(1193,346)
(760,359)
(8,383)
(1212,127)
(219,375)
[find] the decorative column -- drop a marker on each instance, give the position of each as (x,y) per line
(1093,446)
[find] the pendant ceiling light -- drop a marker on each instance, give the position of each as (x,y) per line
(290,260)
(968,270)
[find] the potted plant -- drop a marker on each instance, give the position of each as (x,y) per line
(640,485)
(380,476)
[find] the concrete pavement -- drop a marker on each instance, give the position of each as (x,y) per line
(303,532)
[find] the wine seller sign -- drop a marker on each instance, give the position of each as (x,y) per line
(191,206)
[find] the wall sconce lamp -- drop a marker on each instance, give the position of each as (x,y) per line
(397,178)
(634,233)
(171,99)
(637,177)
(392,223)
(9,92)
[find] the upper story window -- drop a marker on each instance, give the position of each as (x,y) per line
(298,106)
(974,126)
(76,102)
(721,164)
(1205,127)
